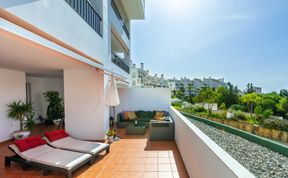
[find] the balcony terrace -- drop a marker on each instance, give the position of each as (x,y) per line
(132,156)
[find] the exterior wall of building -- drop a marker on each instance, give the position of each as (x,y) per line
(147,99)
(58,19)
(85,106)
(12,88)
(39,86)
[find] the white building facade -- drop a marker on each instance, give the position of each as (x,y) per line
(69,46)
(142,78)
(194,85)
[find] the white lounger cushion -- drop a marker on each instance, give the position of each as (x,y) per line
(54,157)
(70,143)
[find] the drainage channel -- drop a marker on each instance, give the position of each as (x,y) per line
(259,160)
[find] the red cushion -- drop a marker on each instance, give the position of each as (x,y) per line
(56,135)
(30,142)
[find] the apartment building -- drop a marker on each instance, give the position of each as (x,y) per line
(69,46)
(195,84)
(142,78)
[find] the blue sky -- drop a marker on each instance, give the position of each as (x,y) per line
(240,40)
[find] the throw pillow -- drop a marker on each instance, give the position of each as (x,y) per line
(125,115)
(132,116)
(159,116)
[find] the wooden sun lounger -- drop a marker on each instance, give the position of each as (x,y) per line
(71,144)
(49,159)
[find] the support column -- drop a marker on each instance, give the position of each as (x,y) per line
(84,103)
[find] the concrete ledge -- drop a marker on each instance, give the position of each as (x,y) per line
(201,155)
(275,146)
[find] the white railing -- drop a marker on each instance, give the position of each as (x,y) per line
(202,157)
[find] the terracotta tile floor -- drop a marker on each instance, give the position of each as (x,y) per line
(131,157)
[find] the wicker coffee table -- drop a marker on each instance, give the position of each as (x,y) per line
(138,129)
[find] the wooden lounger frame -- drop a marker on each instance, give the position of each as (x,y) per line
(107,149)
(46,168)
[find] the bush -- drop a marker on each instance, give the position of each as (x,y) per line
(177,103)
(199,109)
(237,107)
(240,115)
(276,123)
(267,113)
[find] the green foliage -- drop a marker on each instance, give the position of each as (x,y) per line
(237,107)
(30,123)
(18,110)
(222,106)
(250,88)
(110,132)
(209,96)
(258,111)
(282,106)
(251,99)
(55,108)
(267,113)
(284,93)
(227,95)
(177,103)
(240,115)
(276,123)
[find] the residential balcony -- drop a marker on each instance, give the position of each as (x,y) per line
(120,62)
(119,25)
(192,154)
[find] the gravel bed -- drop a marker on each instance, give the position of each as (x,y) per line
(259,160)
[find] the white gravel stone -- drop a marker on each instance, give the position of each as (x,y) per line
(259,160)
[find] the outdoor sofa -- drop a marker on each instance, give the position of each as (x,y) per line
(141,116)
(34,152)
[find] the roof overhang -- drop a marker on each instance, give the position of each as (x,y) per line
(134,9)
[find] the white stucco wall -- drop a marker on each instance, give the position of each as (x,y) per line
(58,19)
(12,88)
(147,99)
(202,157)
(41,85)
(85,108)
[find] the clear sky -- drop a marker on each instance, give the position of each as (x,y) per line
(240,40)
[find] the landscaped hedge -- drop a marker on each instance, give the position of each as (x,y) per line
(281,124)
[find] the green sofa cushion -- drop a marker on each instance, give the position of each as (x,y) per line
(144,114)
(144,119)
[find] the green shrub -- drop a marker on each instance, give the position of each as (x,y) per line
(177,103)
(240,115)
(276,123)
(222,106)
(237,107)
(267,113)
(199,109)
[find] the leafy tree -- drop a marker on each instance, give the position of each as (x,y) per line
(284,93)
(209,96)
(270,100)
(250,88)
(181,92)
(190,92)
(282,106)
(258,111)
(251,100)
(227,95)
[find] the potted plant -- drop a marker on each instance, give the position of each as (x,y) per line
(110,134)
(29,123)
(19,111)
(55,110)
